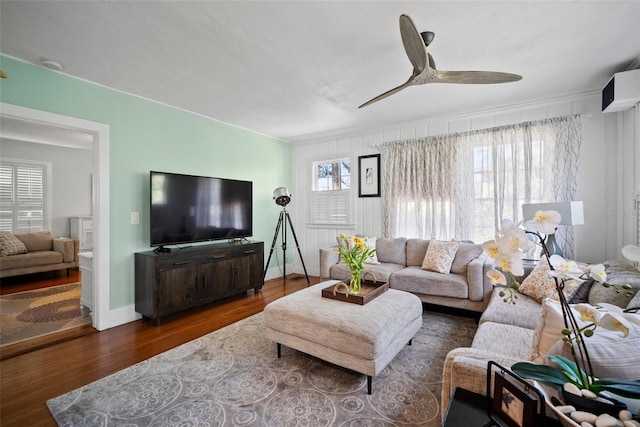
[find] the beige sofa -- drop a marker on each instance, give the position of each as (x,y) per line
(44,253)
(506,332)
(465,287)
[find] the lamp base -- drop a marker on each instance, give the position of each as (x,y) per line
(552,246)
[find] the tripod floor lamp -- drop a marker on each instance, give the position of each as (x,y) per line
(282,197)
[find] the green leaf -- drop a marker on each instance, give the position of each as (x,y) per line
(570,368)
(543,373)
(621,386)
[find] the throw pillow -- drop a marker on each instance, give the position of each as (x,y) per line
(540,285)
(635,301)
(618,273)
(548,329)
(611,355)
(581,295)
(10,244)
(439,256)
(370,242)
(466,253)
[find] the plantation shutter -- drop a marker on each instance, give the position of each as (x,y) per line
(22,197)
(330,207)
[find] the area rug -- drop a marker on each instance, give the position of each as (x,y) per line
(32,314)
(232,377)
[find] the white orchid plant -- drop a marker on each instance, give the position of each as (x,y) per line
(507,250)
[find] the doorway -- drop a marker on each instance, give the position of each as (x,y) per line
(99,140)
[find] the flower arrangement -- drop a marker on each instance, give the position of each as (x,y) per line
(355,252)
(507,251)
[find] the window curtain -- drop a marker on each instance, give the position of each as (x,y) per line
(460,186)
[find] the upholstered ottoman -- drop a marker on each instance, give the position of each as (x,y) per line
(363,338)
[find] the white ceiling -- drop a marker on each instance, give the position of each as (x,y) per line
(297,70)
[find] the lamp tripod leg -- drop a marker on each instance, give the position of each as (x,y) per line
(298,247)
(273,245)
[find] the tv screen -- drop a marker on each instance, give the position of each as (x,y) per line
(187,208)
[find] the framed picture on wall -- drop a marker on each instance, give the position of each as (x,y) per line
(369,176)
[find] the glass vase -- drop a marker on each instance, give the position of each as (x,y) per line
(354,282)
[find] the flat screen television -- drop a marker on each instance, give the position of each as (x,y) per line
(188,208)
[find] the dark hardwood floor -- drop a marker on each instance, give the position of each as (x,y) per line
(28,282)
(28,380)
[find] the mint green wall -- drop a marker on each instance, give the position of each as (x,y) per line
(149,136)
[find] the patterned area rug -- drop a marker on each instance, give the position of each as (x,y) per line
(32,314)
(232,377)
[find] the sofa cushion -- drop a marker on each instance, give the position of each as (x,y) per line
(508,340)
(416,250)
(381,271)
(392,250)
(10,244)
(418,281)
(439,256)
(31,259)
(36,241)
(524,313)
(466,253)
(618,273)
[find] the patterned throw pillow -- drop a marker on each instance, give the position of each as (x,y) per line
(439,256)
(10,244)
(370,242)
(540,285)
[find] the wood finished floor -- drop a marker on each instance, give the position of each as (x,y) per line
(28,380)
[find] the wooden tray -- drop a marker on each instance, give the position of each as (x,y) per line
(368,291)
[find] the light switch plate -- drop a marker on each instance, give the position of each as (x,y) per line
(135,217)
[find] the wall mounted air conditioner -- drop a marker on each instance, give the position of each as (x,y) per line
(622,92)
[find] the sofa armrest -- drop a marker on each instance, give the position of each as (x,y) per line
(480,286)
(328,258)
(467,368)
(67,247)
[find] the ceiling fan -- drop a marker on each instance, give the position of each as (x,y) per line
(424,67)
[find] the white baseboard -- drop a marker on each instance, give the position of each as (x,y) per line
(122,315)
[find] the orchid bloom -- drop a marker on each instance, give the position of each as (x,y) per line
(511,262)
(514,239)
(491,248)
(563,269)
(588,313)
(544,222)
(496,277)
(613,319)
(597,273)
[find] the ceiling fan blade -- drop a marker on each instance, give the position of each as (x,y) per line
(474,77)
(413,44)
(389,92)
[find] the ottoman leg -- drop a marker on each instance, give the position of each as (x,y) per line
(279,346)
(410,341)
(369,378)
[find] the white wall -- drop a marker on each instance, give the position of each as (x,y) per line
(71,172)
(605,178)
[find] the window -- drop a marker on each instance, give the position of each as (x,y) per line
(331,193)
(22,196)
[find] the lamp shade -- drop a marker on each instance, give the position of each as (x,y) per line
(571,213)
(282,196)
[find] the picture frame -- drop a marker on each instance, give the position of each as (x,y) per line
(514,402)
(369,175)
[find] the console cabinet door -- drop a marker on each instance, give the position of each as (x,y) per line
(217,279)
(248,272)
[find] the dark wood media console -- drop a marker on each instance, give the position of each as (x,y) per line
(170,282)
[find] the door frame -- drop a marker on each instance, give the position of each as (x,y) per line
(100,201)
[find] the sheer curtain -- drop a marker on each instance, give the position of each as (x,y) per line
(460,186)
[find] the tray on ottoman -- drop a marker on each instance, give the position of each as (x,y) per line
(368,290)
